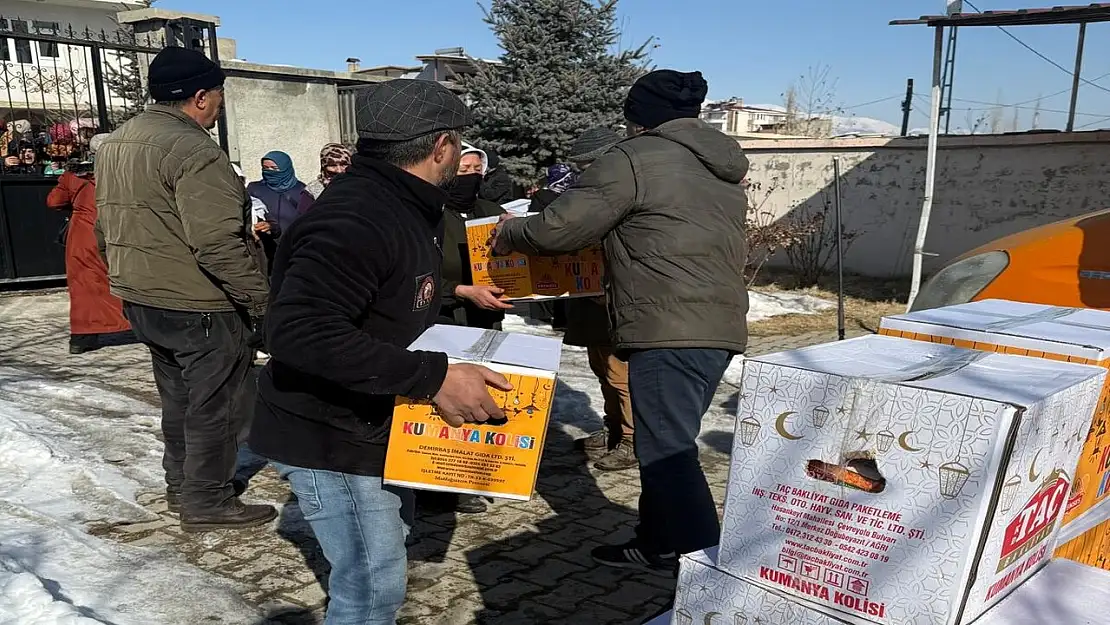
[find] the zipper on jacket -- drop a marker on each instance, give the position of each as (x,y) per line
(206,323)
(439,246)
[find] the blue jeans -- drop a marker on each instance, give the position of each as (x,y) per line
(361,527)
(671,390)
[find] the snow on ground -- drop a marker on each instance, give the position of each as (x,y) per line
(579,403)
(763,305)
(73,455)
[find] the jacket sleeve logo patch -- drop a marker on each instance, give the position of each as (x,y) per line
(425,292)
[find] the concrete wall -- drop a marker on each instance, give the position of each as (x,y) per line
(282,108)
(987,187)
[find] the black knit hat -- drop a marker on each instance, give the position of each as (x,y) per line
(592,143)
(403,109)
(665,95)
(178,73)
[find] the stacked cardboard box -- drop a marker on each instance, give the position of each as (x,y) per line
(1063,334)
(887,481)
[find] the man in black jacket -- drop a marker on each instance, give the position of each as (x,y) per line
(354,282)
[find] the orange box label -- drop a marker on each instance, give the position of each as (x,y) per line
(495,460)
(533,277)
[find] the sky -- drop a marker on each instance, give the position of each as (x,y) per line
(753,50)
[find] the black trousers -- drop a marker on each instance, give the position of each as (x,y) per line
(671,390)
(201,361)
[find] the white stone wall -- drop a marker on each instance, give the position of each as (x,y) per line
(987,187)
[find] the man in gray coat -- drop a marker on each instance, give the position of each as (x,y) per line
(668,207)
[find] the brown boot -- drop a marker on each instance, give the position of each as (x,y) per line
(598,441)
(622,458)
(237,515)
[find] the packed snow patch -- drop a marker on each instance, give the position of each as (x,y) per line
(764,305)
(72,455)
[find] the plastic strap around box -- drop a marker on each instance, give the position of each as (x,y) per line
(483,349)
(1049,314)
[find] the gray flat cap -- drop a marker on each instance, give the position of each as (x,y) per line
(592,143)
(403,109)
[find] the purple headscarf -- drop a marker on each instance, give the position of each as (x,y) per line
(560,178)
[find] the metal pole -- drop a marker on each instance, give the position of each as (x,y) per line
(1075,75)
(98,87)
(839,254)
(930,167)
(950,67)
(907,107)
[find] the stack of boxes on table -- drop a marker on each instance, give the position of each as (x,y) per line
(926,476)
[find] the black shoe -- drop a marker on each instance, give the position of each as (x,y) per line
(632,556)
(84,344)
(173,498)
(470,504)
(235,516)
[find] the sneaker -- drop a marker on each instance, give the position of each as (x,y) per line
(622,458)
(598,441)
(632,556)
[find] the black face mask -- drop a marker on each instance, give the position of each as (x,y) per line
(463,192)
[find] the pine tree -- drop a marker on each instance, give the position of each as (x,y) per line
(559,75)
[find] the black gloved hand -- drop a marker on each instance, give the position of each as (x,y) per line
(257,340)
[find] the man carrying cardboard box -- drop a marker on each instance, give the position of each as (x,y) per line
(355,281)
(668,207)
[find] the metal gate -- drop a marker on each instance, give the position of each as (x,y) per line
(59,86)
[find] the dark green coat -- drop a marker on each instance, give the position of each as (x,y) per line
(668,207)
(456,268)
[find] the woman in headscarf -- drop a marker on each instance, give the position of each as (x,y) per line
(24,161)
(461,302)
(335,158)
(280,191)
(95,315)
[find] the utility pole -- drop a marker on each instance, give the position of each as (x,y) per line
(907,107)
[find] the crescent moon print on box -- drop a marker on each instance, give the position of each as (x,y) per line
(1039,331)
(865,475)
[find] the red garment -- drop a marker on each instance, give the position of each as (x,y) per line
(92,308)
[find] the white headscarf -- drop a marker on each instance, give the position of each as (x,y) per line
(469,149)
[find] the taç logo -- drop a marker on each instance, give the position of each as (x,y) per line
(546,282)
(1036,520)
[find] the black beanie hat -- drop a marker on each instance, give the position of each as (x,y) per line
(664,95)
(178,73)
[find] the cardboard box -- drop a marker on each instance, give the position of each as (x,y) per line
(706,594)
(893,481)
(533,277)
(1062,593)
(1088,545)
(1056,333)
(497,460)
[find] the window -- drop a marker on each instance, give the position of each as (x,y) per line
(51,29)
(22,46)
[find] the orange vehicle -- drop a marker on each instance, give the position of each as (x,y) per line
(1066,263)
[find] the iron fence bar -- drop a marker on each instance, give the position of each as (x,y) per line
(98,86)
(90,40)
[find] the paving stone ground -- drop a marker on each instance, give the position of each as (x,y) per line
(519,563)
